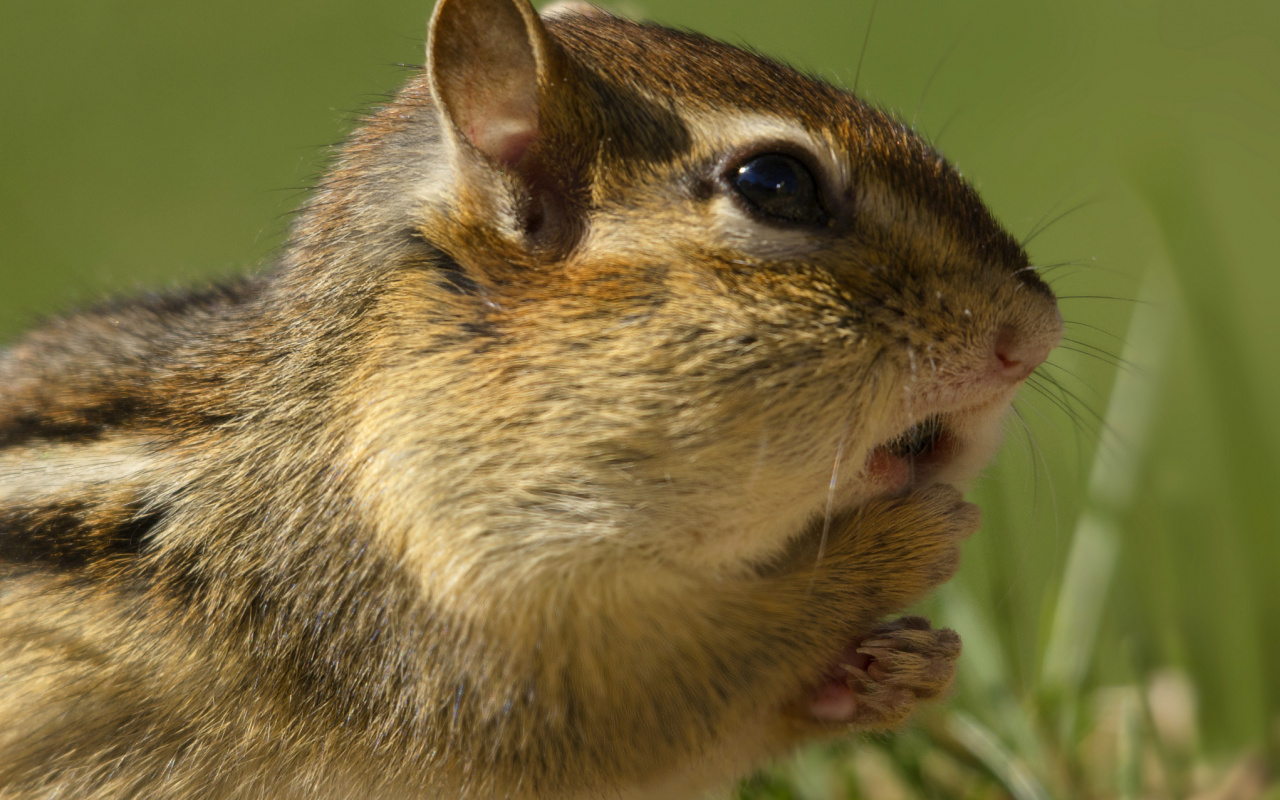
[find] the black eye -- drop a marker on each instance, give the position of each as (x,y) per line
(779,186)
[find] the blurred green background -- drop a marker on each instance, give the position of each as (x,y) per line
(147,143)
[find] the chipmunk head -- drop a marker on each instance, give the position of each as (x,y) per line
(693,290)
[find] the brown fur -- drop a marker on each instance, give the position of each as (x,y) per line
(512,478)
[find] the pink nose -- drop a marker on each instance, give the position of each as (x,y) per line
(1018,352)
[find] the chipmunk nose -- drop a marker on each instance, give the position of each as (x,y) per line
(1021,347)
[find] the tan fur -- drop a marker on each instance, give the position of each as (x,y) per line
(540,467)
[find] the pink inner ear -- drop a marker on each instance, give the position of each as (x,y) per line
(504,132)
(484,68)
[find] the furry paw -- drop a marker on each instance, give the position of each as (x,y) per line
(897,550)
(903,661)
(882,677)
(941,521)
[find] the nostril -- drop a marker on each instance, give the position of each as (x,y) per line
(1017,355)
(1007,347)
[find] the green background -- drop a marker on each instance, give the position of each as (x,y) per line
(159,143)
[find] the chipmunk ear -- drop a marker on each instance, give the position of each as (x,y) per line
(505,90)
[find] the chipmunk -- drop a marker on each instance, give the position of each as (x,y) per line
(611,395)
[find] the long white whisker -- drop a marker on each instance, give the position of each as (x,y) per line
(831,499)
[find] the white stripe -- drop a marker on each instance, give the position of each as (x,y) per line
(28,472)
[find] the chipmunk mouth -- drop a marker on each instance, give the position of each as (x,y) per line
(919,441)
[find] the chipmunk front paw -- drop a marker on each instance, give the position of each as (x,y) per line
(907,660)
(899,663)
(933,524)
(893,551)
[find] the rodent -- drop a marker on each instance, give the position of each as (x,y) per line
(611,395)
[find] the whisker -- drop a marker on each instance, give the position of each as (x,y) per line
(1102,421)
(1039,229)
(1048,474)
(1084,383)
(1043,268)
(1080,422)
(1042,383)
(1035,227)
(1118,360)
(937,137)
(1037,450)
(865,39)
(1105,358)
(1025,445)
(1017,272)
(1103,297)
(929,83)
(1103,331)
(1057,402)
(1089,264)
(1103,427)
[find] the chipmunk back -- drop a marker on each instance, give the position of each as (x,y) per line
(612,391)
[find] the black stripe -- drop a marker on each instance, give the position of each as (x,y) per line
(69,534)
(90,423)
(454,278)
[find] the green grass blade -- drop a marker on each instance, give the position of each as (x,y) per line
(1004,766)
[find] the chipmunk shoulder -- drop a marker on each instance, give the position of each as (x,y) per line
(610,397)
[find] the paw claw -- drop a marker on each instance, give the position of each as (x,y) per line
(878,651)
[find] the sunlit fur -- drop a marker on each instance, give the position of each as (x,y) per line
(507,481)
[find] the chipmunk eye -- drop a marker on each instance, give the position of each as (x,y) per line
(779,186)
